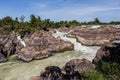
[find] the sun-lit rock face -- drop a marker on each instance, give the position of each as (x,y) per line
(95,36)
(40,45)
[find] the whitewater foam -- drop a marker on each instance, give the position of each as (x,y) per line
(21,41)
(89,52)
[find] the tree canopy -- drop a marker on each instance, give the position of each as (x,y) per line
(8,24)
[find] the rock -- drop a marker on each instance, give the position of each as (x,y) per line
(97,36)
(74,69)
(40,45)
(78,67)
(8,44)
(2,58)
(52,73)
(108,53)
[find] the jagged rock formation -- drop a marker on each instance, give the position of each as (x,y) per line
(108,53)
(97,36)
(9,45)
(40,45)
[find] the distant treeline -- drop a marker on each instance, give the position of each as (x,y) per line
(8,24)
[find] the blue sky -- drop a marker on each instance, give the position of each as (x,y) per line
(81,10)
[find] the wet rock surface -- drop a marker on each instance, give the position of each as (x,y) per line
(108,53)
(40,45)
(71,71)
(97,36)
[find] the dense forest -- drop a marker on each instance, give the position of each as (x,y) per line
(8,24)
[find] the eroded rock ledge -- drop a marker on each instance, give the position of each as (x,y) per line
(40,45)
(98,36)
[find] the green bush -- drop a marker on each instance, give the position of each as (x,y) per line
(94,76)
(109,69)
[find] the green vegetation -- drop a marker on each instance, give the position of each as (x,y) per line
(109,70)
(94,76)
(8,24)
(104,71)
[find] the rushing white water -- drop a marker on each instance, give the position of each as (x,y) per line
(21,41)
(92,26)
(95,26)
(89,52)
(116,26)
(17,70)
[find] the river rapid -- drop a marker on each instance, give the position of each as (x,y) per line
(18,70)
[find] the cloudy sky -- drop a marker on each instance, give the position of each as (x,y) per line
(81,10)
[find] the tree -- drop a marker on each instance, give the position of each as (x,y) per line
(46,24)
(33,20)
(7,21)
(0,23)
(74,23)
(22,18)
(96,21)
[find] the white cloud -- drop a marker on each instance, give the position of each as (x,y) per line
(77,10)
(70,13)
(91,10)
(41,5)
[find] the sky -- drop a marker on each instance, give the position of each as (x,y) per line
(57,10)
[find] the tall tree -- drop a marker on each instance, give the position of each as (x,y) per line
(22,18)
(33,20)
(7,20)
(96,21)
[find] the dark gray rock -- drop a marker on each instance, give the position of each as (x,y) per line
(52,73)
(2,58)
(108,53)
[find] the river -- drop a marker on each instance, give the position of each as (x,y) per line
(18,70)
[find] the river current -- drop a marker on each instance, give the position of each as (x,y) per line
(18,70)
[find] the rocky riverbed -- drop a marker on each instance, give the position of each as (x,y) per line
(95,36)
(42,44)
(76,68)
(37,45)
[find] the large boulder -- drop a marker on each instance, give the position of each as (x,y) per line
(78,67)
(40,45)
(97,36)
(108,53)
(74,69)
(51,73)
